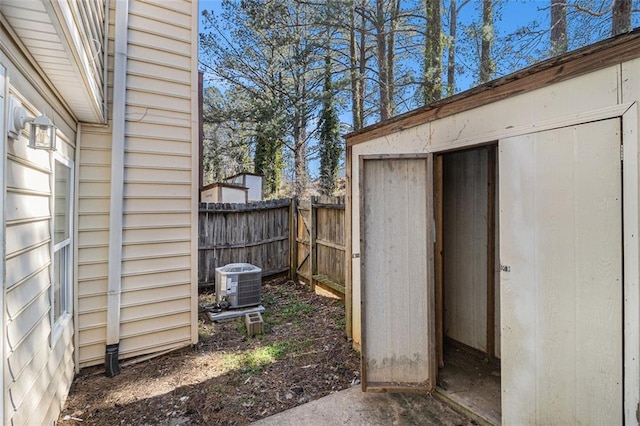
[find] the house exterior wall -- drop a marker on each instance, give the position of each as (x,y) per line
(37,351)
(158,285)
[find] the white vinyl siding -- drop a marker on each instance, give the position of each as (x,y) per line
(156,310)
(39,363)
(93,242)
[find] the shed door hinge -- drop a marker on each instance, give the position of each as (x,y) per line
(621,152)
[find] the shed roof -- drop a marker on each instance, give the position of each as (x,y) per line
(223,185)
(244,174)
(591,58)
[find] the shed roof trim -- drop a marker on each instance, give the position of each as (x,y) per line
(591,58)
(223,185)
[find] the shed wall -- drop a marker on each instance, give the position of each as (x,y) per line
(465,247)
(546,106)
(630,92)
(232,195)
(254,183)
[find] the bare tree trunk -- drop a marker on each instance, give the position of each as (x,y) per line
(451,54)
(300,120)
(356,82)
(559,41)
(363,63)
(487,66)
(433,53)
(381,44)
(301,178)
(300,160)
(621,17)
(391,56)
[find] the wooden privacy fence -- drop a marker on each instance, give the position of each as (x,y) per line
(319,243)
(305,238)
(256,233)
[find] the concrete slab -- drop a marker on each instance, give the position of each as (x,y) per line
(354,407)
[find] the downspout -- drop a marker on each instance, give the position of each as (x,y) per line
(105,64)
(117,188)
(76,246)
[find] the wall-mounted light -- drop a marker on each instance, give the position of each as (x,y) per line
(42,134)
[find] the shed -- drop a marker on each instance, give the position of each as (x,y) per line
(492,250)
(251,181)
(99,236)
(220,192)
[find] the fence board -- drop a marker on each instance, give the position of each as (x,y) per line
(304,237)
(329,243)
(303,240)
(256,233)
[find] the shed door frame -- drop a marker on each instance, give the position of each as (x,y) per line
(395,386)
(631,266)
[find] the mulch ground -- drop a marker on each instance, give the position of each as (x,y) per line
(228,378)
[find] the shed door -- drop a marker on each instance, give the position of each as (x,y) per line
(561,279)
(397,274)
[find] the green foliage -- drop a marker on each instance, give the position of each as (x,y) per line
(432,88)
(295,310)
(226,145)
(330,140)
(264,52)
(268,60)
(269,143)
(254,361)
(268,162)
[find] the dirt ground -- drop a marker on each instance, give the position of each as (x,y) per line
(228,378)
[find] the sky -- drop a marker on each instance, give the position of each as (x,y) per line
(514,14)
(511,15)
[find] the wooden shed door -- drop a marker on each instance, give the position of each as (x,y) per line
(397,274)
(561,276)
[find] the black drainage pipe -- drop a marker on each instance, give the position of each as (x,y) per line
(111,365)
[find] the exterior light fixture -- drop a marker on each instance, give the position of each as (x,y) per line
(42,134)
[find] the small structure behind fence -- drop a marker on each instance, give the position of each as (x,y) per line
(305,238)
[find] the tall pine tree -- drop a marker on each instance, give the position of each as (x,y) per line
(330,140)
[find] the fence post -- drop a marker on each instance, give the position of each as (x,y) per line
(313,252)
(293,239)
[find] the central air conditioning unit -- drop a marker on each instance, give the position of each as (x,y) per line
(240,284)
